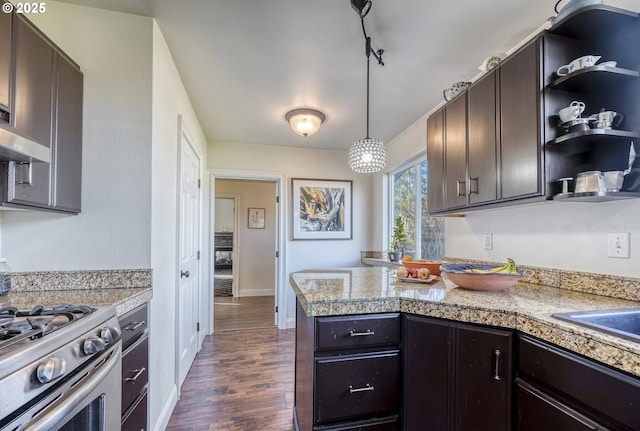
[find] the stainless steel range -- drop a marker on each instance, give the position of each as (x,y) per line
(60,369)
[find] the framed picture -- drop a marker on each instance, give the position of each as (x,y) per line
(256,218)
(322,209)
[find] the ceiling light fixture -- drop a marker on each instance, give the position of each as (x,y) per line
(305,121)
(367,155)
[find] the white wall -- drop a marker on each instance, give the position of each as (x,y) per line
(254,249)
(169,102)
(304,163)
(113,229)
(224,214)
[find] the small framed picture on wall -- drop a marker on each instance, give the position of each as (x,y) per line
(256,218)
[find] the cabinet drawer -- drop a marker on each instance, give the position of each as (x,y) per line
(352,386)
(539,412)
(582,380)
(136,418)
(134,371)
(357,331)
(133,325)
(389,423)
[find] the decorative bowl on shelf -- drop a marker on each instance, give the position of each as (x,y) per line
(432,265)
(492,281)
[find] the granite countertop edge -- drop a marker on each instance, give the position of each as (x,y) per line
(526,307)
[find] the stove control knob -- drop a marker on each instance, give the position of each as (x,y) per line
(50,370)
(93,345)
(109,334)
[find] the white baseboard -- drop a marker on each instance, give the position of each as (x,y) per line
(291,322)
(167,410)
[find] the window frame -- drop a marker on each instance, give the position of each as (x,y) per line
(415,162)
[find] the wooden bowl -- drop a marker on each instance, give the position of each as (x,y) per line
(494,281)
(432,265)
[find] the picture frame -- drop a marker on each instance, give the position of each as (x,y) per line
(255,219)
(321,209)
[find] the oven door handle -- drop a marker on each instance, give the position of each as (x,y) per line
(55,414)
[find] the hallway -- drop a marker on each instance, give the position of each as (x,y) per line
(240,381)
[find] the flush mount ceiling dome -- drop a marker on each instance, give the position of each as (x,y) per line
(305,121)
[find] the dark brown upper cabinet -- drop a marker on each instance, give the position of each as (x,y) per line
(483,146)
(517,150)
(521,149)
(45,102)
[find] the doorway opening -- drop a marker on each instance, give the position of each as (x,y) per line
(245,263)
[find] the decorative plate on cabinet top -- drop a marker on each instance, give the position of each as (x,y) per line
(492,62)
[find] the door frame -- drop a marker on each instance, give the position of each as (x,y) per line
(186,138)
(236,203)
(279,262)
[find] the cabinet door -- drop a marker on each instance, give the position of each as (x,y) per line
(483,378)
(5,59)
(455,158)
(427,349)
(520,112)
(68,137)
(483,140)
(435,162)
(32,111)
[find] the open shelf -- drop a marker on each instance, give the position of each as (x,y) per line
(596,136)
(596,196)
(602,77)
(593,23)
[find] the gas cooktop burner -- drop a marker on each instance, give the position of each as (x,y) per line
(18,325)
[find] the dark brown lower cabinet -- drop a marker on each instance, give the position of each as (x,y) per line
(456,376)
(560,390)
(135,369)
(348,372)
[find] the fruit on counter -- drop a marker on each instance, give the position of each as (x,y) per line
(402,272)
(508,268)
(413,272)
(424,273)
(407,259)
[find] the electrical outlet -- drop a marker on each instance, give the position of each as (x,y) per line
(487,241)
(618,245)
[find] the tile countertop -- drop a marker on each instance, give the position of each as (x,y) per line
(526,307)
(124,289)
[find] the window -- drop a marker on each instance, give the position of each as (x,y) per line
(408,187)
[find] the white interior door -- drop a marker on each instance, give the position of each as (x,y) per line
(189,264)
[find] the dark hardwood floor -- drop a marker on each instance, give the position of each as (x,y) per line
(247,312)
(239,381)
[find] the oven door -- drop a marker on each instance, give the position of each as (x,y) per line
(90,400)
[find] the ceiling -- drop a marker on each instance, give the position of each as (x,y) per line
(245,63)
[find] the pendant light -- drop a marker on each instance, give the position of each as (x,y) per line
(368,155)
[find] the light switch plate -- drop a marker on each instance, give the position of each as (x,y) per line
(487,241)
(618,245)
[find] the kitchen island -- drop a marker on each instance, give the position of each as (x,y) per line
(520,318)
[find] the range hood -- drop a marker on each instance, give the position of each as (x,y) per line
(16,148)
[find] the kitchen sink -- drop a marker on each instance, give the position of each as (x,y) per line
(622,322)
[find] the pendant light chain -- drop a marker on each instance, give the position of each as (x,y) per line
(368,155)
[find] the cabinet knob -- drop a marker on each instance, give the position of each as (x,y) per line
(496,366)
(184,274)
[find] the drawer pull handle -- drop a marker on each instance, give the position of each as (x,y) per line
(496,366)
(135,325)
(361,334)
(353,390)
(138,372)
